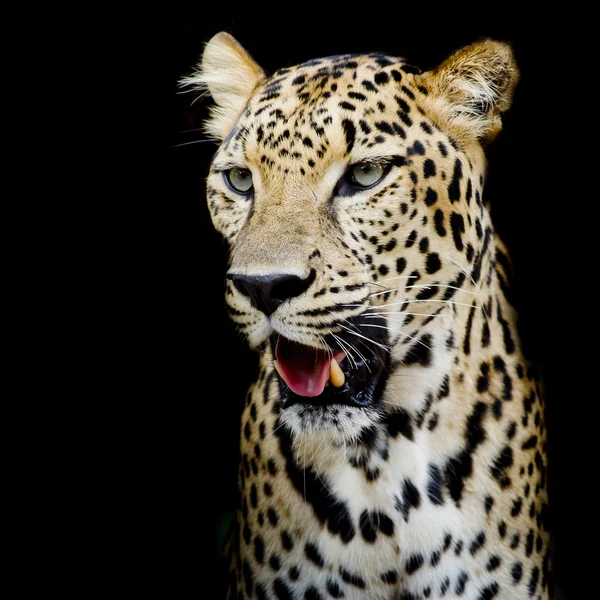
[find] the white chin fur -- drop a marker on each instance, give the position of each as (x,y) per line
(342,423)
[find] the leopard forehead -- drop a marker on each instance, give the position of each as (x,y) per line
(326,109)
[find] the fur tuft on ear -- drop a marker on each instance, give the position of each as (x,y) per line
(472,88)
(229,74)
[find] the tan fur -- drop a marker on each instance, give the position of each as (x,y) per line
(472,88)
(230,75)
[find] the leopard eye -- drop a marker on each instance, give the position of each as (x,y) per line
(367,174)
(240,180)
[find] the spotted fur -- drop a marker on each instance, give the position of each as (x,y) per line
(439,489)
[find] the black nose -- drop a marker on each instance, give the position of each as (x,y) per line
(267,292)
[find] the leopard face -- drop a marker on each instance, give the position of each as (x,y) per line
(349,192)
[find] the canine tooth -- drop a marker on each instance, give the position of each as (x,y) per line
(336,375)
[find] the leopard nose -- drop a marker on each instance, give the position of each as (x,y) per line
(268,292)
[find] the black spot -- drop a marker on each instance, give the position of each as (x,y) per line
(294,573)
(312,553)
(489,592)
(347,106)
(399,422)
(533,581)
(384,127)
(352,578)
(334,589)
(274,562)
(433,422)
(410,498)
(282,591)
(529,543)
(428,168)
(444,587)
(420,352)
(461,582)
(368,86)
(410,240)
(384,523)
(502,462)
(272,516)
(489,502)
(514,541)
(381,78)
(311,593)
(259,549)
(454,187)
(433,263)
(530,443)
(434,485)
(430,197)
(516,507)
(396,75)
(261,592)
(516,572)
(435,558)
(502,529)
(253,496)
(509,344)
(423,245)
(493,563)
(364,126)
(272,467)
(426,127)
(438,220)
(367,527)
(467,340)
(362,98)
(400,265)
(477,543)
(416,148)
(349,133)
(389,577)
(286,540)
(457,224)
(390,245)
(414,563)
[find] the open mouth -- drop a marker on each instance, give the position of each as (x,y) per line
(349,373)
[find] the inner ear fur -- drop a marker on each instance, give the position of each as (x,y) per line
(230,75)
(471,89)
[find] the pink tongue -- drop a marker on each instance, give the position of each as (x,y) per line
(304,369)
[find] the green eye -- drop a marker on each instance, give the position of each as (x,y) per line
(239,179)
(367,174)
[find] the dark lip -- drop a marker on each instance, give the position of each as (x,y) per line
(365,377)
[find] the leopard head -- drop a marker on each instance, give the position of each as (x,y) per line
(349,192)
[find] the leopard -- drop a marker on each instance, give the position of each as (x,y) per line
(393,443)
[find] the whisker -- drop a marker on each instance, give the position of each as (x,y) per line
(465,272)
(373,315)
(429,285)
(365,338)
(344,344)
(401,333)
(415,301)
(399,277)
(188,143)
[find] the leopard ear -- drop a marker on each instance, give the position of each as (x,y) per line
(230,75)
(472,88)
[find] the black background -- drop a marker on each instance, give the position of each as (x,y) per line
(188,367)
